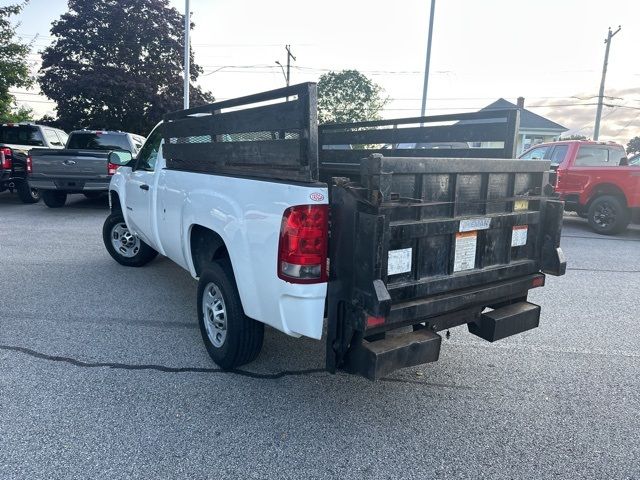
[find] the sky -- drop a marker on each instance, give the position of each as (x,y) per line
(548,51)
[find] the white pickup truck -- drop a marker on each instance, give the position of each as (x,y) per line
(231,192)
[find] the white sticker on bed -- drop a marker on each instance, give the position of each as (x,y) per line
(519,236)
(399,261)
(465,256)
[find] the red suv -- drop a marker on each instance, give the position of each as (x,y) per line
(595,179)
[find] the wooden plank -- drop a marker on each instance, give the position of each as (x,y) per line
(480,115)
(280,116)
(268,153)
(478,132)
(330,157)
(246,100)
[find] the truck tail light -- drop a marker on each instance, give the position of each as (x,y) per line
(29,164)
(558,177)
(373,322)
(6,158)
(302,252)
(111,168)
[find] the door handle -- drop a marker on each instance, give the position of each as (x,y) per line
(144,186)
(69,162)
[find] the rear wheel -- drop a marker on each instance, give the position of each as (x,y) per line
(122,245)
(608,215)
(27,193)
(231,338)
(54,198)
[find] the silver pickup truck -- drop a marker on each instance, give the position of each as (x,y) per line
(82,167)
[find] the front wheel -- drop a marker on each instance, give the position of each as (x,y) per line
(122,245)
(54,198)
(231,338)
(27,193)
(608,215)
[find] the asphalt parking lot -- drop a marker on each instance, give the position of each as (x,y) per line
(103,375)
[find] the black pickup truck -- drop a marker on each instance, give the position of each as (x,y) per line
(82,167)
(16,141)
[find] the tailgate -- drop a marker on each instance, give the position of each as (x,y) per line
(427,237)
(69,165)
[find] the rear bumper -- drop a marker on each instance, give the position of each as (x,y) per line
(377,359)
(70,184)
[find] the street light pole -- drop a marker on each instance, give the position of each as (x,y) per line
(596,129)
(426,68)
(187,51)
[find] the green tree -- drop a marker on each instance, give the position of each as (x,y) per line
(14,69)
(117,64)
(634,145)
(348,96)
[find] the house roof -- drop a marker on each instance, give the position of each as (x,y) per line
(528,119)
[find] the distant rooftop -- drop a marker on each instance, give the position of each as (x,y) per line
(528,119)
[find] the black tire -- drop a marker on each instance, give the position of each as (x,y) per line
(93,195)
(27,194)
(132,251)
(54,198)
(608,215)
(243,336)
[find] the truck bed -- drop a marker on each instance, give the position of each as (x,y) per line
(421,237)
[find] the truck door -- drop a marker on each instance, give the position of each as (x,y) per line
(140,189)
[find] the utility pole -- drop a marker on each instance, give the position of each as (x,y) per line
(426,68)
(187,51)
(289,57)
(610,35)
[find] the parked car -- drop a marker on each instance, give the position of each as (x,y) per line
(16,140)
(82,167)
(429,243)
(595,179)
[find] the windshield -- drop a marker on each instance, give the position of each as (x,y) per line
(99,141)
(21,135)
(635,160)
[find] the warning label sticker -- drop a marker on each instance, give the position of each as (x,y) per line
(399,261)
(519,236)
(465,255)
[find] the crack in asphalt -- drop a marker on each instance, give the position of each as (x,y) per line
(243,373)
(158,368)
(590,237)
(603,270)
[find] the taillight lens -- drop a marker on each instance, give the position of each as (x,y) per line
(29,164)
(111,168)
(6,158)
(302,252)
(558,176)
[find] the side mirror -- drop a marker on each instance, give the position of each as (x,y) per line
(120,157)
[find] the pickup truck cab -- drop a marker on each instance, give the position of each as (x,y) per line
(282,231)
(81,167)
(596,180)
(16,141)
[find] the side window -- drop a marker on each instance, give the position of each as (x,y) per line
(559,154)
(618,156)
(62,136)
(149,153)
(589,156)
(52,138)
(535,154)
